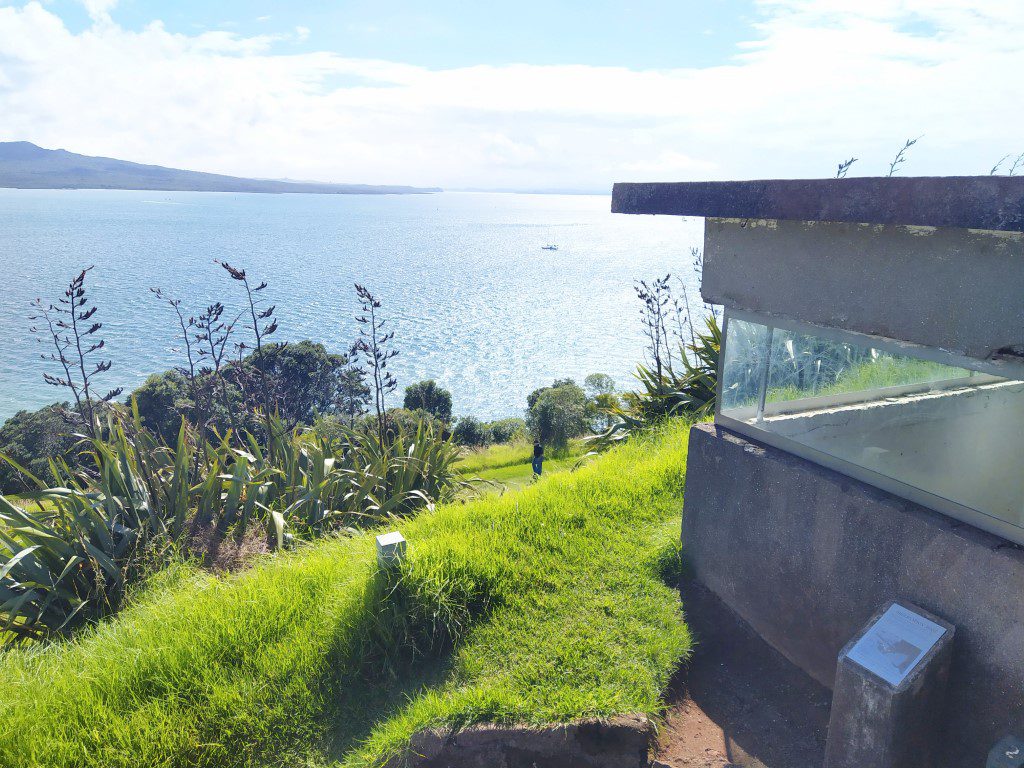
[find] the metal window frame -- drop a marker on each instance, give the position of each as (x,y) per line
(953,509)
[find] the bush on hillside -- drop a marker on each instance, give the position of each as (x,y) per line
(163,400)
(72,564)
(507,430)
(559,414)
(470,431)
(429,397)
(531,399)
(32,438)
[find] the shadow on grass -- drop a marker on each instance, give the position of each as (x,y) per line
(354,717)
(401,646)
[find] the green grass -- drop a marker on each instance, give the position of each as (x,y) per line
(29,501)
(538,606)
(511,464)
(477,460)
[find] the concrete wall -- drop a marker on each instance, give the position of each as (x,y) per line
(806,556)
(956,289)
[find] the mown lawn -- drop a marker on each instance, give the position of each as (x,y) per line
(509,465)
(548,604)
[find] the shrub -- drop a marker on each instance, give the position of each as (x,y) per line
(304,381)
(469,431)
(429,397)
(70,564)
(691,393)
(507,430)
(558,415)
(32,438)
(531,398)
(163,400)
(304,378)
(398,420)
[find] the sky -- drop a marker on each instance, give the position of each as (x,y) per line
(530,95)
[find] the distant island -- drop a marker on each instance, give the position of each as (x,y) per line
(24,165)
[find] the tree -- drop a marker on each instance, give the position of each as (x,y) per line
(469,432)
(603,400)
(428,396)
(304,377)
(353,395)
(32,438)
(163,400)
(558,415)
(599,384)
(72,332)
(531,398)
(506,430)
(373,348)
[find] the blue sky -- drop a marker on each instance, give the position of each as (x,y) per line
(454,33)
(518,95)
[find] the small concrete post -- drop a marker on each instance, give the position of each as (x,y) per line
(890,685)
(390,550)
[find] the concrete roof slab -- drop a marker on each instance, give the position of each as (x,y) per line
(964,202)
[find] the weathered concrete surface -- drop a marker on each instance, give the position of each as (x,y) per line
(621,742)
(806,555)
(957,290)
(875,723)
(968,202)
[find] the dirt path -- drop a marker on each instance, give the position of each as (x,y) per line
(739,703)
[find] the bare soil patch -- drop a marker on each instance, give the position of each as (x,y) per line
(739,703)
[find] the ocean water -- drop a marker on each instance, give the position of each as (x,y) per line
(473,299)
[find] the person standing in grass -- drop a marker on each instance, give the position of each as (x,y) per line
(538,457)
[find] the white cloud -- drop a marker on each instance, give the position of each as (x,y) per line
(99,10)
(823,80)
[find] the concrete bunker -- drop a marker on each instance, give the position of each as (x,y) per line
(868,438)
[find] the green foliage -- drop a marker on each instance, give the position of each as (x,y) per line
(531,399)
(542,606)
(558,414)
(473,433)
(599,384)
(70,564)
(163,399)
(399,419)
(507,430)
(690,393)
(303,380)
(32,439)
(470,431)
(429,397)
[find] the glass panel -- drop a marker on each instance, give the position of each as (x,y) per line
(952,432)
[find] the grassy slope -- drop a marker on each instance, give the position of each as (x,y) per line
(510,464)
(551,595)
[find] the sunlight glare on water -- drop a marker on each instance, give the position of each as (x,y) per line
(473,299)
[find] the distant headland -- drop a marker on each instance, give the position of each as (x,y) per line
(24,165)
